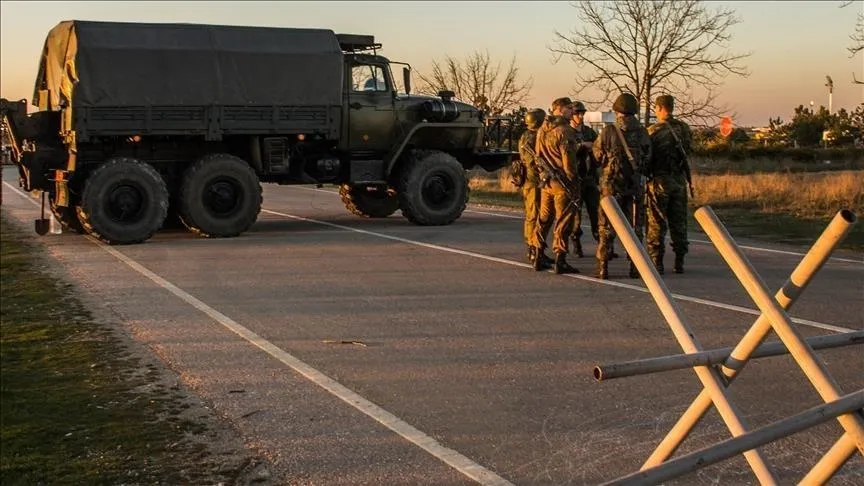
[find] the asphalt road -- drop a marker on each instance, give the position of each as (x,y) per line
(359,351)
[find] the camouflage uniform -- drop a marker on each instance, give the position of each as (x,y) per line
(530,190)
(554,144)
(617,177)
(666,191)
(590,194)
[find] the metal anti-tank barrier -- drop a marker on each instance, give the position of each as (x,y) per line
(717,368)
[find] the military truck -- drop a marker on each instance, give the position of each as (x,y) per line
(139,124)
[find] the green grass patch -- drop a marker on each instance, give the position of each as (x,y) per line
(75,406)
(724,165)
(496,198)
(779,227)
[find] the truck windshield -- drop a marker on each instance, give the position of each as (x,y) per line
(368,77)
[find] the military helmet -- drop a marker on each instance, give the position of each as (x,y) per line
(534,118)
(579,107)
(626,103)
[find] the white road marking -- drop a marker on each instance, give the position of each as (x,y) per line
(784,252)
(448,456)
(505,261)
(681,297)
(500,215)
(692,240)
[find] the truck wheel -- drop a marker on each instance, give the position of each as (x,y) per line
(433,189)
(124,201)
(68,217)
(220,196)
(369,204)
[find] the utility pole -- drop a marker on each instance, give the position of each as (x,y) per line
(830,85)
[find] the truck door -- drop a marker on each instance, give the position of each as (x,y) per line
(371,115)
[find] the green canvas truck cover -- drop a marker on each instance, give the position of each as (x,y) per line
(105,64)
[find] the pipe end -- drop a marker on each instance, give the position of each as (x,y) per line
(706,209)
(848,216)
(598,373)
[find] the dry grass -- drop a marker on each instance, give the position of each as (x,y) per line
(482,181)
(777,207)
(805,195)
(716,165)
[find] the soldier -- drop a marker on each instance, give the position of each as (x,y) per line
(555,146)
(622,150)
(666,191)
(530,186)
(584,137)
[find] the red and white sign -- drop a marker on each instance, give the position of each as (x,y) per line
(725,126)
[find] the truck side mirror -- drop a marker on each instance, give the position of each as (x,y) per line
(406,79)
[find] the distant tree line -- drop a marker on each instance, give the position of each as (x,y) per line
(808,128)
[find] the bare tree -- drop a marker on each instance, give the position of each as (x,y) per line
(857,37)
(476,81)
(651,48)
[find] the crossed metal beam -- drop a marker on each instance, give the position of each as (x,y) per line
(846,409)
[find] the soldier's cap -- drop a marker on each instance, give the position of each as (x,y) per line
(561,103)
(666,101)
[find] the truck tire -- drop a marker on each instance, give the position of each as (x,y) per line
(124,202)
(220,196)
(369,204)
(433,189)
(68,217)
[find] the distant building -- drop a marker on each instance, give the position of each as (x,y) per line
(759,133)
(596,119)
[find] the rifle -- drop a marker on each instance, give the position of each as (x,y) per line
(686,162)
(640,183)
(556,174)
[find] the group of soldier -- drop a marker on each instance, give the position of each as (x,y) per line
(565,165)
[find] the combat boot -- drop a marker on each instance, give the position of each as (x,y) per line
(679,263)
(577,247)
(541,261)
(561,265)
(532,253)
(658,263)
(602,270)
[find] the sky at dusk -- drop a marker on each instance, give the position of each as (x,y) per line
(794,44)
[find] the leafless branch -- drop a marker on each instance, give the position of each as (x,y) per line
(476,81)
(648,48)
(857,36)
